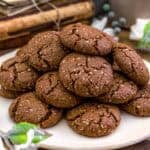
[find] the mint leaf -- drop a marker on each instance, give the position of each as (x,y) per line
(147,28)
(19,133)
(39,138)
(145,41)
(18,139)
(22,128)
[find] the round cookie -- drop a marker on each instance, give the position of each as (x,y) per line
(131,63)
(29,108)
(94,119)
(86,76)
(8,93)
(44,51)
(22,53)
(87,40)
(140,105)
(122,90)
(17,76)
(49,88)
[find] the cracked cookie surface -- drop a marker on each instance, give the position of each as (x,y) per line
(29,108)
(140,105)
(17,76)
(94,119)
(121,91)
(44,51)
(22,53)
(131,64)
(87,40)
(49,88)
(9,93)
(86,76)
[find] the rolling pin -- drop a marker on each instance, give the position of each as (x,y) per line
(74,12)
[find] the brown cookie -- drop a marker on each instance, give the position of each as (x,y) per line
(94,119)
(131,64)
(44,51)
(140,105)
(87,40)
(49,88)
(27,107)
(116,67)
(17,76)
(22,53)
(121,91)
(86,76)
(8,93)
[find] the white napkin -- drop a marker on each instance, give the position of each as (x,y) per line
(137,30)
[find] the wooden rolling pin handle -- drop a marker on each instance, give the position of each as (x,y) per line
(21,23)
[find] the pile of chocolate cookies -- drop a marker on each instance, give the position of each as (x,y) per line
(80,73)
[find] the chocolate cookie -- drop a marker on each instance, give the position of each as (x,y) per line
(116,67)
(121,91)
(49,88)
(131,64)
(8,93)
(87,40)
(27,107)
(44,51)
(17,76)
(94,119)
(140,105)
(86,76)
(22,53)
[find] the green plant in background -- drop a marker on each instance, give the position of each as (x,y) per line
(145,41)
(20,134)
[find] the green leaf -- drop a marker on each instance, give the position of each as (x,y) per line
(147,28)
(145,41)
(22,128)
(18,139)
(18,134)
(39,138)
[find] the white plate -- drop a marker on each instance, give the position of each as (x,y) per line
(131,130)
